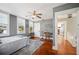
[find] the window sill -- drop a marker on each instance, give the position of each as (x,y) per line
(20,33)
(3,35)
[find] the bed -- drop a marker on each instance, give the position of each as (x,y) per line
(12,44)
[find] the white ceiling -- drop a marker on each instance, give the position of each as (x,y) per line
(23,9)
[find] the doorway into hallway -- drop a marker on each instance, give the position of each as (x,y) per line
(65,31)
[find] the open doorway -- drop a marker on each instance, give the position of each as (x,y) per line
(61,31)
(65,31)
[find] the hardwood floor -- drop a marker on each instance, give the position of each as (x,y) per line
(65,48)
(45,49)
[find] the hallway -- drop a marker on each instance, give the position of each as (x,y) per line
(65,48)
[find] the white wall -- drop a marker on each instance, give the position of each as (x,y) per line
(71,31)
(77,33)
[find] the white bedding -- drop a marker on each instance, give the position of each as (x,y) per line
(12,44)
(31,48)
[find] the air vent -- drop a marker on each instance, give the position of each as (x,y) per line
(69,15)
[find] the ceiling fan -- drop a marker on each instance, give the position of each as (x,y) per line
(35,14)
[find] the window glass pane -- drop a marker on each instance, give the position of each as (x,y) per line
(3,24)
(30,26)
(20,26)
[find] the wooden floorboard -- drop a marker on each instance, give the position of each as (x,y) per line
(65,48)
(45,49)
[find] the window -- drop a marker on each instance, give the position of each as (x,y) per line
(4,24)
(30,26)
(37,29)
(20,25)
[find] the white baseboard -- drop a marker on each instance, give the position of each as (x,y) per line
(54,47)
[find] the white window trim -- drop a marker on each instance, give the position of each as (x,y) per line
(17,26)
(8,26)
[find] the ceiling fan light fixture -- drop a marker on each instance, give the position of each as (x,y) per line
(33,16)
(69,15)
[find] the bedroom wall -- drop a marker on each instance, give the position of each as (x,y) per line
(46,26)
(27,27)
(13,25)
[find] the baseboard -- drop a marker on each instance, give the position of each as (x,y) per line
(71,44)
(54,48)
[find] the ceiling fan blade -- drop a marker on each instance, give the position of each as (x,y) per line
(28,15)
(34,12)
(38,16)
(29,12)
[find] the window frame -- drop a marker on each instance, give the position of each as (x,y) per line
(8,23)
(31,26)
(23,25)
